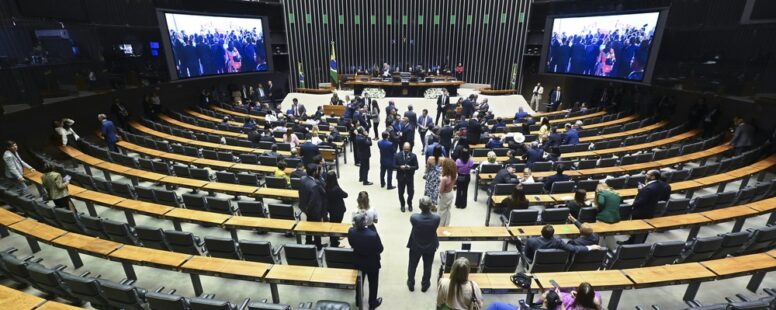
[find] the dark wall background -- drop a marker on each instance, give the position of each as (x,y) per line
(487,46)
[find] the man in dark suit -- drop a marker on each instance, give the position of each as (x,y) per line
(364,145)
(556,98)
(297,109)
(572,135)
(367,248)
(443,102)
(743,136)
(446,136)
(423,242)
(424,123)
(646,201)
(534,154)
(555,139)
(411,116)
(473,131)
(557,177)
(468,107)
(312,197)
(504,176)
(308,150)
(548,241)
(407,132)
(386,160)
(271,94)
(109,132)
(586,234)
(405,163)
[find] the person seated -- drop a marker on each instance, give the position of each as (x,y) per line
(548,241)
(557,177)
(534,153)
(519,115)
(225,120)
(515,201)
(255,137)
(555,138)
(294,153)
(490,160)
(584,297)
(484,106)
(494,143)
(527,176)
(512,159)
(432,147)
(499,124)
(273,152)
(505,176)
(554,154)
(249,124)
(579,202)
(299,172)
(329,143)
(572,135)
(281,172)
(586,234)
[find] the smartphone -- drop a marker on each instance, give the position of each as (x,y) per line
(521,230)
(66,178)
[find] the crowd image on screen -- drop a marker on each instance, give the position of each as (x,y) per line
(215,51)
(617,53)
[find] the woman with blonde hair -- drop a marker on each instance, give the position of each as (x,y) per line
(446,195)
(544,129)
(363,207)
(607,202)
(491,160)
(291,139)
(433,172)
(458,292)
(315,135)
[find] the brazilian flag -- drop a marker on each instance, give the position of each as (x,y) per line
(301,76)
(333,66)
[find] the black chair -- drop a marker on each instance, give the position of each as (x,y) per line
(86,289)
(745,195)
(152,237)
(761,239)
(500,261)
(50,281)
(69,220)
(145,194)
(474,259)
(588,185)
(541,166)
(199,174)
(122,296)
(725,199)
(703,203)
(181,171)
(617,183)
(184,242)
(92,226)
(521,218)
(533,188)
(275,182)
(198,303)
(194,202)
(160,301)
(46,213)
(607,162)
(628,256)
(301,254)
(676,206)
(257,251)
(664,253)
(281,211)
(251,208)
(222,247)
(732,242)
(587,215)
(219,205)
(249,179)
(562,187)
(587,164)
(555,216)
(700,249)
(124,190)
(167,197)
(119,232)
(548,260)
(226,177)
(249,158)
(589,260)
(339,258)
(263,305)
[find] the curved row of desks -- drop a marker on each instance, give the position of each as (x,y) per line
(17,300)
(194,265)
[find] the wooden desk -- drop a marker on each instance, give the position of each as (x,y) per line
(219,267)
(74,244)
(91,197)
(760,264)
(622,227)
(129,255)
(627,133)
(202,129)
(314,276)
(494,283)
(473,233)
(677,221)
(142,207)
(210,145)
(229,188)
(258,223)
(185,182)
(53,305)
(536,230)
(692,273)
(13,299)
(35,177)
(320,229)
(188,215)
(37,230)
(602,280)
(227,111)
(9,218)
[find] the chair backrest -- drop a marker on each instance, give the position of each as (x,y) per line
(268,160)
(166,197)
(339,257)
(119,232)
(68,220)
(160,301)
(677,206)
(703,203)
(301,254)
(562,187)
(617,183)
(541,166)
(490,168)
(194,201)
(664,253)
(46,212)
(523,217)
(629,256)
(226,177)
(86,289)
(183,242)
(725,199)
(555,215)
(199,174)
(222,247)
(549,260)
(588,185)
(92,226)
(625,212)
(533,188)
(257,251)
(587,215)
(122,296)
(474,259)
(181,171)
(634,180)
(587,164)
(701,249)
(198,303)
(500,261)
(49,281)
(732,242)
(249,179)
(503,189)
(251,208)
(760,240)
(145,194)
(281,211)
(589,260)
(607,162)
(258,305)
(152,237)
(275,182)
(219,205)
(745,195)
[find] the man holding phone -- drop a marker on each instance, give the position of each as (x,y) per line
(646,201)
(405,163)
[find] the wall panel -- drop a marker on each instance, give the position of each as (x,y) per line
(435,32)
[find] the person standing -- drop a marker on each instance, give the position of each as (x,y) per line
(458,292)
(459,72)
(405,163)
(14,165)
(367,248)
(646,201)
(363,206)
(56,187)
(555,100)
(536,97)
(109,133)
(443,102)
(446,137)
(464,165)
(423,242)
(743,136)
(412,117)
(312,200)
(375,115)
(386,160)
(364,146)
(121,113)
(308,150)
(335,203)
(446,195)
(424,121)
(432,174)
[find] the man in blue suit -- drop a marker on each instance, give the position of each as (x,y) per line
(557,177)
(534,154)
(646,201)
(367,248)
(555,100)
(423,242)
(386,160)
(308,151)
(548,241)
(468,107)
(363,144)
(109,132)
(572,135)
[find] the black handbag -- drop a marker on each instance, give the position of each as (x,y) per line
(521,279)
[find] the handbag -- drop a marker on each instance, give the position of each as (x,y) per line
(521,279)
(474,304)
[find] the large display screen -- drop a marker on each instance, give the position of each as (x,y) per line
(610,46)
(202,45)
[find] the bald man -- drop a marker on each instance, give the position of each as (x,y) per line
(405,163)
(586,235)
